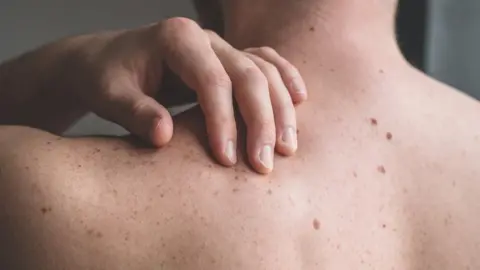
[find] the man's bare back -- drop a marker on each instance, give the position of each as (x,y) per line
(386,177)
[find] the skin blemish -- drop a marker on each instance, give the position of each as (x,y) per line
(215,193)
(235,190)
(355,174)
(298,131)
(384,226)
(90,232)
(97,150)
(48,143)
(99,235)
(389,136)
(332,70)
(312,29)
(381,71)
(236,177)
(269,192)
(46,210)
(381,169)
(316,224)
(373,121)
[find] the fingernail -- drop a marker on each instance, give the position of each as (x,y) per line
(266,157)
(230,152)
(289,138)
(299,86)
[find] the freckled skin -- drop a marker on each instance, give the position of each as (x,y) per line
(128,207)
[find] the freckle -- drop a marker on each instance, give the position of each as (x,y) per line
(235,190)
(210,166)
(312,29)
(236,177)
(381,169)
(405,191)
(27,168)
(116,148)
(384,226)
(44,210)
(99,235)
(215,193)
(355,174)
(332,70)
(304,61)
(162,195)
(381,71)
(454,183)
(298,131)
(152,163)
(269,192)
(49,143)
(97,150)
(316,224)
(79,166)
(90,232)
(389,136)
(373,121)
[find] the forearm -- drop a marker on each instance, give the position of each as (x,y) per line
(33,88)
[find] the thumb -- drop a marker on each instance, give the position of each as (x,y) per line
(140,114)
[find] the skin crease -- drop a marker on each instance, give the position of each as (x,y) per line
(386,175)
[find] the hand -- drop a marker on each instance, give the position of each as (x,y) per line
(120,75)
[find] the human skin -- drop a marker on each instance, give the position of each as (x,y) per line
(386,175)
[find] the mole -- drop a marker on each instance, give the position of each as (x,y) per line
(381,169)
(389,136)
(316,224)
(355,174)
(381,71)
(373,121)
(46,210)
(235,190)
(49,143)
(384,226)
(312,29)
(269,192)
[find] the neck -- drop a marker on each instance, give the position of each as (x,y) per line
(319,37)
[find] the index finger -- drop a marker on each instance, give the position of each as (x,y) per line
(187,51)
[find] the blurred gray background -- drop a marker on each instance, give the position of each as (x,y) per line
(452,48)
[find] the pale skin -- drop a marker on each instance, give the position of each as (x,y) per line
(386,175)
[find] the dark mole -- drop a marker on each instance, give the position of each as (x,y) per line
(27,168)
(269,192)
(162,195)
(312,29)
(49,143)
(316,224)
(381,169)
(381,71)
(389,136)
(46,210)
(373,121)
(298,131)
(97,150)
(384,226)
(79,166)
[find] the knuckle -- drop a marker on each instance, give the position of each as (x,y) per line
(267,50)
(269,69)
(252,73)
(139,106)
(178,25)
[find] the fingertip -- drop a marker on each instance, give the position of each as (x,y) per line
(263,159)
(161,132)
(225,152)
(298,90)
